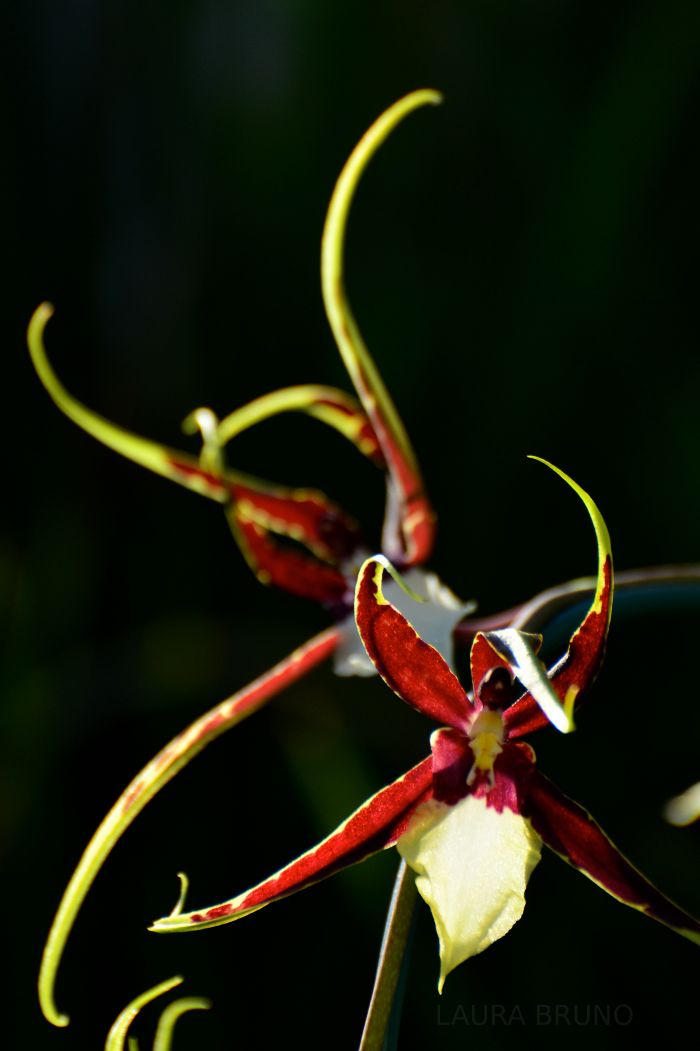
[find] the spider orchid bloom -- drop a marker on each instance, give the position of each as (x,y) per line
(296,539)
(260,512)
(326,548)
(472,817)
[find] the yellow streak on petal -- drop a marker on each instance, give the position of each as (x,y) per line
(601,532)
(383,564)
(472,867)
(148,454)
(358,361)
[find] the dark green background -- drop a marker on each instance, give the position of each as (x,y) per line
(523,263)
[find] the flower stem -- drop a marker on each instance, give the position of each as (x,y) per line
(391,958)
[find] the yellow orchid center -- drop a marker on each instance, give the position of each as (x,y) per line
(485,741)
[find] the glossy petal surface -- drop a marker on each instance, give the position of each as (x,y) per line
(472,866)
(571,832)
(434,620)
(413,669)
(377,824)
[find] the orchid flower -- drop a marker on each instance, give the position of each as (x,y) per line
(321,546)
(472,817)
(296,539)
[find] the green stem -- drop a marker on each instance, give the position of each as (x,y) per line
(391,956)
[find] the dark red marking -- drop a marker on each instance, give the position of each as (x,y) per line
(452,761)
(312,516)
(289,568)
(378,824)
(191,469)
(413,669)
(571,832)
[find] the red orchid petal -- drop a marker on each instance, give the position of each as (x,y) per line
(452,761)
(414,670)
(341,411)
(410,519)
(377,824)
(571,832)
(579,666)
(512,772)
(285,567)
(149,781)
(303,515)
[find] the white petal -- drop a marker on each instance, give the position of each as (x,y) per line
(472,866)
(434,620)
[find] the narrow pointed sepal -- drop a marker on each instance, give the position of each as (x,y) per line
(434,617)
(472,864)
(576,671)
(571,832)
(376,825)
(412,513)
(158,458)
(154,776)
(302,515)
(331,406)
(413,669)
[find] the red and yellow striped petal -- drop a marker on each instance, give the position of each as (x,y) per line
(571,832)
(284,566)
(306,516)
(169,761)
(577,669)
(415,517)
(377,824)
(413,669)
(332,406)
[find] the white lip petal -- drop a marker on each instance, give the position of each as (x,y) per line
(472,867)
(434,620)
